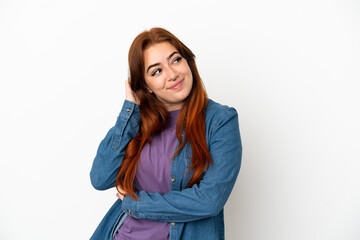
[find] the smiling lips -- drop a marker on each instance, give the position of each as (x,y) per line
(177,85)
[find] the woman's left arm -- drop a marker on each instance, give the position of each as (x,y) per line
(209,196)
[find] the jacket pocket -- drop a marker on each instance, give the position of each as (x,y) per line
(118,224)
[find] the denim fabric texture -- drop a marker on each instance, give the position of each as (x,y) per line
(194,213)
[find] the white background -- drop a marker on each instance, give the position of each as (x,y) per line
(290,68)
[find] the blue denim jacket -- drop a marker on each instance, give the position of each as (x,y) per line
(194,213)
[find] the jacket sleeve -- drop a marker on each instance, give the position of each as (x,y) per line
(112,148)
(209,197)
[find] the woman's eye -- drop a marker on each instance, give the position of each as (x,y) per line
(178,59)
(157,71)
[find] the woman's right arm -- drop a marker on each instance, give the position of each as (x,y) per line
(112,148)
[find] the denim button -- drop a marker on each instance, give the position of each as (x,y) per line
(128,109)
(173,223)
(173,179)
(129,211)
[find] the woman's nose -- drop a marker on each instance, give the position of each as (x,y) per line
(171,74)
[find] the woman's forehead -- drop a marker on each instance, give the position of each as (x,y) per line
(158,52)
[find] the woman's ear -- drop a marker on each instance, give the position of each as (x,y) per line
(150,91)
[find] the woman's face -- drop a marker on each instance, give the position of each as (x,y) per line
(167,75)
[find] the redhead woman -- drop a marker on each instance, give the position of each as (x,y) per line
(173,154)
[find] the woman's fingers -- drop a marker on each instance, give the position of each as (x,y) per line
(121,197)
(130,95)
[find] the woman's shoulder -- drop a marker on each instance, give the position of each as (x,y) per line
(216,112)
(213,107)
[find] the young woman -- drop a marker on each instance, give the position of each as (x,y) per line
(173,154)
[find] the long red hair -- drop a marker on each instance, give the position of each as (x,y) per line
(154,115)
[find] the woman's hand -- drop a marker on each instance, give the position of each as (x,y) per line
(130,94)
(120,194)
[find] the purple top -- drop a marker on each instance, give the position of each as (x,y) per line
(153,175)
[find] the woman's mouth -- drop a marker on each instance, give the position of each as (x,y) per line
(177,85)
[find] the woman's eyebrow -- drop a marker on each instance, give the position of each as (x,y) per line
(156,64)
